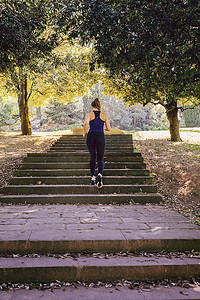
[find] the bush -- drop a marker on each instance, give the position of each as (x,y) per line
(192,117)
(5,114)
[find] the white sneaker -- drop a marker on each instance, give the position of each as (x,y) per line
(93,180)
(99,181)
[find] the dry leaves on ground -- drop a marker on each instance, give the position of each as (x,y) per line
(13,147)
(176,170)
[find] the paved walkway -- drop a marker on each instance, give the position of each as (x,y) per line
(54,222)
(58,222)
(119,293)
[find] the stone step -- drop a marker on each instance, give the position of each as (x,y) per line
(74,148)
(80,159)
(107,141)
(81,152)
(82,165)
(84,142)
(108,155)
(81,144)
(77,189)
(83,198)
(94,228)
(80,172)
(78,143)
(90,269)
(80,180)
(107,137)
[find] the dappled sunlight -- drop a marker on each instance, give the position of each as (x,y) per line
(51,133)
(157,229)
(186,136)
(186,188)
(144,135)
(89,220)
(7,140)
(27,212)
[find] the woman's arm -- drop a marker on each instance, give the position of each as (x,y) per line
(85,126)
(107,123)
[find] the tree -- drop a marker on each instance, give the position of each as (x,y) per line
(27,35)
(36,62)
(150,47)
(65,114)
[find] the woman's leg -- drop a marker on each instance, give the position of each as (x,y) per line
(91,148)
(100,143)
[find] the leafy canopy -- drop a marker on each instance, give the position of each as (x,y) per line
(27,32)
(152,48)
(69,78)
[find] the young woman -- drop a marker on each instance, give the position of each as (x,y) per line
(96,139)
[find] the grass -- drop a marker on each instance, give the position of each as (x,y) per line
(195,129)
(187,136)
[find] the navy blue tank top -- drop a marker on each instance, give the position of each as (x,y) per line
(96,125)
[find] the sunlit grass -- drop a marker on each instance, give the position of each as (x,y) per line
(187,136)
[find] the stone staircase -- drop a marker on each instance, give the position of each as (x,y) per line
(77,223)
(62,175)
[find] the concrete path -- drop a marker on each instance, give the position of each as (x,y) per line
(97,223)
(54,222)
(101,293)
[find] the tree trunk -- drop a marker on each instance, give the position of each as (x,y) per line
(172,116)
(23,107)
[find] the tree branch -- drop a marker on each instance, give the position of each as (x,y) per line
(15,80)
(30,91)
(183,109)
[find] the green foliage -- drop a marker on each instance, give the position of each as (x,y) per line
(66,114)
(150,47)
(26,32)
(192,117)
(28,35)
(5,113)
(36,61)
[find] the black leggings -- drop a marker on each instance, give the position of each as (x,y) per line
(96,144)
